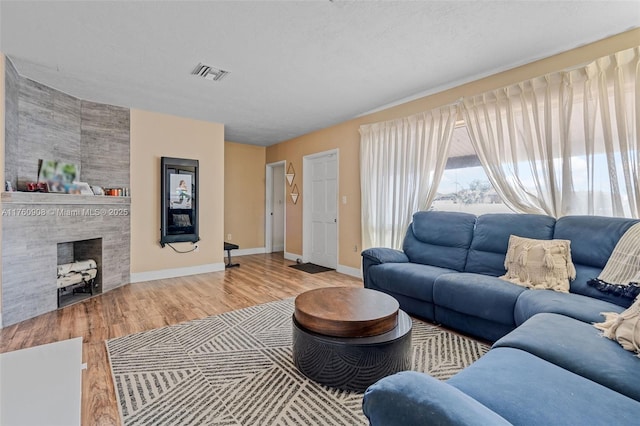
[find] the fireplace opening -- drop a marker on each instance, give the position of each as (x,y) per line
(79,272)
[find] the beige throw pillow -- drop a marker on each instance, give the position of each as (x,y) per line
(624,327)
(539,264)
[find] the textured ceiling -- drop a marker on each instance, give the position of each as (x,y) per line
(295,66)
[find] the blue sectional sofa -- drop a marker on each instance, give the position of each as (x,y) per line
(548,364)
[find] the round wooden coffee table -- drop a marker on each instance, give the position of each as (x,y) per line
(349,338)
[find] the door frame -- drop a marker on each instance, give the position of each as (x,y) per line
(268,207)
(306,208)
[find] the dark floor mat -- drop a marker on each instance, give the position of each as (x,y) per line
(311,268)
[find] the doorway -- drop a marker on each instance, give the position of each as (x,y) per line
(275,207)
(320,208)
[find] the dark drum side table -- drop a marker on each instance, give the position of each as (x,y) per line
(349,338)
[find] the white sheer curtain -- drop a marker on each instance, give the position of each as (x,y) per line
(401,163)
(565,143)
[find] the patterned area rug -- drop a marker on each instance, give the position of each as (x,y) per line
(237,369)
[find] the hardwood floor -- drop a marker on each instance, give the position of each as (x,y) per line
(144,306)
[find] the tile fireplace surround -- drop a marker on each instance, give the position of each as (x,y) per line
(42,123)
(32,226)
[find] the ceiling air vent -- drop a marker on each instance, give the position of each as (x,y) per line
(209,73)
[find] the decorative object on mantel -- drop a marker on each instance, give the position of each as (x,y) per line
(294,194)
(8,187)
(36,187)
(59,176)
(113,192)
(83,188)
(97,190)
(290,174)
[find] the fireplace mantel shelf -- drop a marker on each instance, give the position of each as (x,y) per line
(36,198)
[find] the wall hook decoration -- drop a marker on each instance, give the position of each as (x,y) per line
(290,174)
(294,194)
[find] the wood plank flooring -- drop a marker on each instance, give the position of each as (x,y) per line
(144,306)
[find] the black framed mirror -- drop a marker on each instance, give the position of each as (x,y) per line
(178,200)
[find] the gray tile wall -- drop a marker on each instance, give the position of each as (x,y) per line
(43,123)
(30,250)
(49,129)
(12,90)
(105,145)
(65,253)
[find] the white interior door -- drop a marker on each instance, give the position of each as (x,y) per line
(323,199)
(277,214)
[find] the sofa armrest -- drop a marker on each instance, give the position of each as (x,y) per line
(380,255)
(412,398)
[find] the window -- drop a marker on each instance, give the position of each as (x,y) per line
(464,186)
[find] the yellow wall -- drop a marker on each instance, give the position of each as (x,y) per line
(349,185)
(156,135)
(346,138)
(244,194)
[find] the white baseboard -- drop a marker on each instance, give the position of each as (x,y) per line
(347,270)
(292,256)
(137,277)
(245,252)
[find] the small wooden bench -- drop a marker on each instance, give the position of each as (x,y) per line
(228,247)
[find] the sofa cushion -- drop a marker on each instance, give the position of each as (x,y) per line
(414,307)
(578,347)
(409,279)
(478,327)
(439,239)
(410,398)
(583,308)
(580,286)
(592,249)
(491,239)
(527,390)
(539,264)
(478,295)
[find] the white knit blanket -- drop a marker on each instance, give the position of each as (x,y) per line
(623,266)
(624,327)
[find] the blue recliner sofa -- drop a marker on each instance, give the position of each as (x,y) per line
(548,364)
